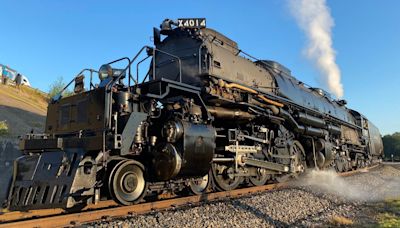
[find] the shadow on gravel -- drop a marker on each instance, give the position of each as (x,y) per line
(259,214)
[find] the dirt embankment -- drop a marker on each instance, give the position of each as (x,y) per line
(21,111)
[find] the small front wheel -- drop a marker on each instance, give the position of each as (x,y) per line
(127,185)
(199,186)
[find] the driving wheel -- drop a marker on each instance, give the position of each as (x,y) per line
(261,178)
(224,177)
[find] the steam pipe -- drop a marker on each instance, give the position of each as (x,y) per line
(274,109)
(270,101)
(262,97)
(334,130)
(317,122)
(299,128)
(310,120)
(222,113)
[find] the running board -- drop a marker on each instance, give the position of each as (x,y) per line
(266,165)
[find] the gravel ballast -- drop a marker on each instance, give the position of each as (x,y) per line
(314,200)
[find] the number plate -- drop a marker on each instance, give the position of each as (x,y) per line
(192,23)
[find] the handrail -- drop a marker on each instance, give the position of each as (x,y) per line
(129,69)
(137,67)
(80,73)
(110,84)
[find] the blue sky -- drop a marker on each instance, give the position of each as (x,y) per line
(47,39)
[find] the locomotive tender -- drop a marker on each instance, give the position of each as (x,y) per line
(205,115)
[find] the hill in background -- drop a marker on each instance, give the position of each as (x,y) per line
(23,109)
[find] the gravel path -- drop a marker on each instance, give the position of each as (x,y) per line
(319,199)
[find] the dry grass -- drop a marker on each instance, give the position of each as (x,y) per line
(340,221)
(3,128)
(25,98)
(389,215)
(389,220)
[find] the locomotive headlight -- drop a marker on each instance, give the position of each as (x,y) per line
(105,71)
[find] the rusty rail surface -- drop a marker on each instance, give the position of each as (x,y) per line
(363,170)
(109,209)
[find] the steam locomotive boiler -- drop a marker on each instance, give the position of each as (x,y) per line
(206,115)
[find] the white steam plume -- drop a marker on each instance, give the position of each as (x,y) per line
(379,185)
(313,16)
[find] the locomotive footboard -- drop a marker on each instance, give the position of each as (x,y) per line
(52,179)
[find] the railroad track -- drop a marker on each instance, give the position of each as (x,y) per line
(110,210)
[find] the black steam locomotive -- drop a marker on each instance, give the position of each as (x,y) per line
(206,115)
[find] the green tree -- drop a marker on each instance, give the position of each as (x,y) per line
(391,145)
(57,86)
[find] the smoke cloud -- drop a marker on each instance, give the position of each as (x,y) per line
(313,17)
(369,187)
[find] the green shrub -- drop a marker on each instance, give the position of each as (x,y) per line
(3,128)
(57,86)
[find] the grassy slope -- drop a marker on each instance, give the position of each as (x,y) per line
(23,109)
(25,98)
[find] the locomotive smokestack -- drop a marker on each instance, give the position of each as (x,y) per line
(313,16)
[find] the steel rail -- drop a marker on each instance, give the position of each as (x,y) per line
(109,209)
(62,220)
(23,215)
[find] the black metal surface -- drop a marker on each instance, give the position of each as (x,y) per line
(166,162)
(183,65)
(38,145)
(294,90)
(41,144)
(198,149)
(190,154)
